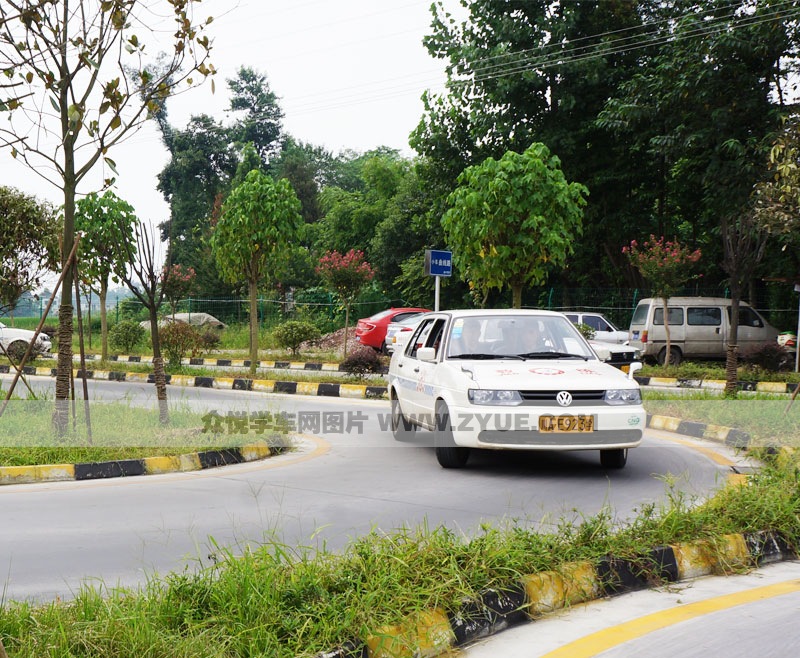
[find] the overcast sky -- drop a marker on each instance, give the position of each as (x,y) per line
(349,75)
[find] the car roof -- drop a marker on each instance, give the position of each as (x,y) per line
(485,312)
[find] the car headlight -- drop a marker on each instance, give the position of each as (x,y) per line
(623,396)
(481,396)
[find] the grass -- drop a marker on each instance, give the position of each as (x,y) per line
(284,602)
(120,430)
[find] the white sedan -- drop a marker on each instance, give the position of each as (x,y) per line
(604,330)
(511,380)
(15,341)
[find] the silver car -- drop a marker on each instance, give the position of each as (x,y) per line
(15,341)
(394,328)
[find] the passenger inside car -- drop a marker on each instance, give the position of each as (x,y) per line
(466,338)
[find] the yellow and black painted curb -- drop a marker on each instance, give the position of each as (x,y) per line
(729,436)
(437,631)
(717,384)
(321,389)
(194,461)
(313,366)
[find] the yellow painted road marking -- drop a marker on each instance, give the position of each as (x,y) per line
(593,644)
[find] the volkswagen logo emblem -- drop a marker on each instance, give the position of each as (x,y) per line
(564,398)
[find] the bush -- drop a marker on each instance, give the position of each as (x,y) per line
(769,356)
(125,336)
(363,361)
(586,331)
(179,339)
(294,332)
(209,340)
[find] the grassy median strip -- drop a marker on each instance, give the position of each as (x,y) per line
(285,602)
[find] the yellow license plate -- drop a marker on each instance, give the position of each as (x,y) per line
(566,423)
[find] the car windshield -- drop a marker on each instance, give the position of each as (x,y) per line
(516,337)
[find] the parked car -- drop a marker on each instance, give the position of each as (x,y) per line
(619,356)
(403,326)
(699,327)
(511,380)
(371,331)
(604,330)
(15,342)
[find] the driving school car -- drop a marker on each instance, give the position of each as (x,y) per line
(511,380)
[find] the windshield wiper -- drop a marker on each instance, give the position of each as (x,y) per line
(552,355)
(483,355)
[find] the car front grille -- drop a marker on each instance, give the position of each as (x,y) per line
(550,396)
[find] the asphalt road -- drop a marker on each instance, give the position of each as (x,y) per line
(336,486)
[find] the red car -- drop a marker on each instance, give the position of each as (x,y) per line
(371,331)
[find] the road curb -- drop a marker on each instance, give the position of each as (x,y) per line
(194,461)
(717,384)
(433,632)
(319,389)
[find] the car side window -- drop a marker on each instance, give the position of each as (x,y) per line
(748,317)
(428,334)
(675,316)
(704,316)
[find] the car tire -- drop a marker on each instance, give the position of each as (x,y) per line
(402,428)
(615,458)
(16,350)
(675,357)
(448,454)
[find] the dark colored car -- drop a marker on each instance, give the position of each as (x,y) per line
(372,330)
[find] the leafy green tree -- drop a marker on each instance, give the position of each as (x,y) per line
(259,219)
(28,244)
(75,85)
(107,223)
(261,114)
(512,220)
(541,71)
(346,275)
(667,266)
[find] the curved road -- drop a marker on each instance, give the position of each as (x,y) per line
(337,486)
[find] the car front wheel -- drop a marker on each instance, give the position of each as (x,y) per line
(616,458)
(402,429)
(17,350)
(448,454)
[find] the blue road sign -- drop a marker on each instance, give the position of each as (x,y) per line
(438,263)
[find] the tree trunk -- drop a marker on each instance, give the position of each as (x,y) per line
(65,309)
(159,374)
(253,293)
(732,353)
(103,320)
(516,295)
(666,330)
(346,324)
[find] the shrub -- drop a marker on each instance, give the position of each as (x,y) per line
(125,336)
(769,356)
(294,332)
(179,339)
(586,331)
(363,361)
(209,340)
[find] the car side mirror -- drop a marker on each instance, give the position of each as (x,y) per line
(426,354)
(636,365)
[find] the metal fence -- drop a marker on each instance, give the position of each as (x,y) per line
(776,302)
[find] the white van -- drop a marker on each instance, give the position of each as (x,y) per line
(699,327)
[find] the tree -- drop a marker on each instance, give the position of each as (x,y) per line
(177,283)
(76,71)
(260,124)
(143,277)
(541,71)
(667,266)
(511,220)
(258,222)
(346,275)
(107,224)
(28,244)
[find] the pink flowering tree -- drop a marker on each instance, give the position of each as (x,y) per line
(667,266)
(345,275)
(177,282)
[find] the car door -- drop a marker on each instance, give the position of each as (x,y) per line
(751,327)
(603,330)
(418,394)
(705,331)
